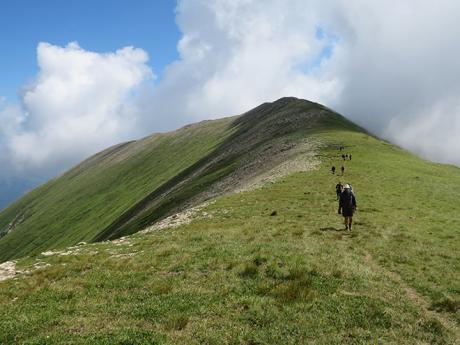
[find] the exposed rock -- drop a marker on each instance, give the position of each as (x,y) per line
(7,270)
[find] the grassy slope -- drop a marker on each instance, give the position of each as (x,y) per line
(259,129)
(78,205)
(126,188)
(245,277)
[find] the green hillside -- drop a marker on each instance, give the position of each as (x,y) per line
(129,186)
(272,265)
(78,205)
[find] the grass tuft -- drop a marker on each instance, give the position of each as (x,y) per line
(176,323)
(446,305)
(249,270)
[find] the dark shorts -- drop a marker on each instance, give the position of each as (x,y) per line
(347,212)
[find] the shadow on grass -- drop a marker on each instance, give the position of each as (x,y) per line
(330,228)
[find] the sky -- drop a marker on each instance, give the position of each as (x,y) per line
(99,26)
(79,76)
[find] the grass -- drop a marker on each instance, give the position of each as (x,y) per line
(246,276)
(83,202)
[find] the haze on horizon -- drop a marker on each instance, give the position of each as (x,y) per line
(390,66)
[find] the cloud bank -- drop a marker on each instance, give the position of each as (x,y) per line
(79,103)
(392,66)
(235,55)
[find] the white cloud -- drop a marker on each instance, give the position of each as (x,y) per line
(398,63)
(393,65)
(432,132)
(79,103)
(235,55)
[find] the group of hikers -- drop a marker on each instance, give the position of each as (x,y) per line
(342,169)
(345,156)
(345,196)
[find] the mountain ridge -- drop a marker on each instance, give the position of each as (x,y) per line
(118,190)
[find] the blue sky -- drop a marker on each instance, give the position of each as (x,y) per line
(97,25)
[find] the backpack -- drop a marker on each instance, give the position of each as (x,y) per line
(348,200)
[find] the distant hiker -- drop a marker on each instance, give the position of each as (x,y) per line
(346,156)
(341,148)
(342,169)
(333,169)
(343,156)
(347,206)
(338,190)
(349,156)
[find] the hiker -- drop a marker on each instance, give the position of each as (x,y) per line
(346,156)
(333,170)
(349,156)
(343,156)
(347,206)
(342,169)
(338,190)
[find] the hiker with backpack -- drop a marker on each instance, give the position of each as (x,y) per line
(338,189)
(333,170)
(347,206)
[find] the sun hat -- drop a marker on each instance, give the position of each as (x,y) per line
(347,186)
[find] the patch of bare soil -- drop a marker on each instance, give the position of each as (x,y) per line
(287,158)
(180,218)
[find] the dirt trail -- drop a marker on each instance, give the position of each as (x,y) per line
(415,297)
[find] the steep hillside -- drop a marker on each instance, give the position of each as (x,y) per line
(271,265)
(129,186)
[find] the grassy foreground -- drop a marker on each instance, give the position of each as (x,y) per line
(240,275)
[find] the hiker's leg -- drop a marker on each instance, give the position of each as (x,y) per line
(350,222)
(345,221)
